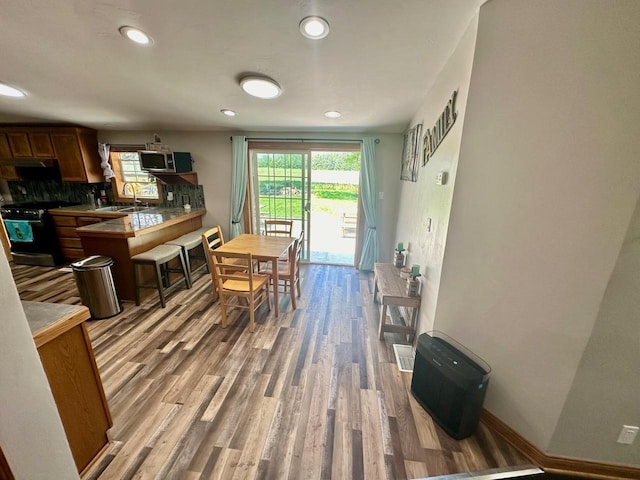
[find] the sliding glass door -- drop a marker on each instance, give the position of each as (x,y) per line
(314,187)
(280,190)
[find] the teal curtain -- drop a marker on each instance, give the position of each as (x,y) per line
(368,189)
(238,184)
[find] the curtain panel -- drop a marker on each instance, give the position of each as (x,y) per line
(368,189)
(238,184)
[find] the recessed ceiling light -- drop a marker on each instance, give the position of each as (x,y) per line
(332,114)
(314,28)
(228,113)
(136,35)
(261,87)
(9,91)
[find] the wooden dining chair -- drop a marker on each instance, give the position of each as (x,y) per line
(278,228)
(288,272)
(212,239)
(239,286)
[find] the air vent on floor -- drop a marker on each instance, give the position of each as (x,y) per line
(404,357)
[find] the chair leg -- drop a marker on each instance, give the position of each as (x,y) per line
(252,314)
(298,284)
(223,307)
(160,285)
(292,293)
(268,296)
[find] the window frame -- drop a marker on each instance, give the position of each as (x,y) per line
(117,183)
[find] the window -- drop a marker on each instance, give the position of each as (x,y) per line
(131,178)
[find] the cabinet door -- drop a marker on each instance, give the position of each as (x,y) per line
(70,367)
(19,144)
(5,151)
(69,157)
(7,172)
(41,144)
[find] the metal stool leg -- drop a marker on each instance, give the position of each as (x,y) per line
(159,282)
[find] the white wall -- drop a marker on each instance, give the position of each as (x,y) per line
(547,181)
(606,388)
(211,152)
(424,199)
(31,433)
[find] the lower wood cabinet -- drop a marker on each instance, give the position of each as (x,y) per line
(66,229)
(73,376)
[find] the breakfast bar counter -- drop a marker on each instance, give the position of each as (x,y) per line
(137,232)
(141,222)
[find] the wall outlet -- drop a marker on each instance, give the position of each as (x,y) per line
(628,434)
(169,196)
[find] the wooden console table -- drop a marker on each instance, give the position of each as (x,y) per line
(393,291)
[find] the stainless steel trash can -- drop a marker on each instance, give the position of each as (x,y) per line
(95,284)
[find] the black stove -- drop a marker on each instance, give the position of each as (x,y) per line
(31,209)
(32,232)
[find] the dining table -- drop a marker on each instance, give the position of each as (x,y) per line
(263,248)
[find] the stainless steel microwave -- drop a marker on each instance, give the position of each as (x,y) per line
(165,162)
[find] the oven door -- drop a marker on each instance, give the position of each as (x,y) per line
(33,241)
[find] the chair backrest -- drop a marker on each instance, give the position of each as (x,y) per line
(233,266)
(278,228)
(212,239)
(298,251)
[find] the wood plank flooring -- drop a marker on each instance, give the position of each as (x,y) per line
(312,394)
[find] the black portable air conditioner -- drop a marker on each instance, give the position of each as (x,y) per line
(450,382)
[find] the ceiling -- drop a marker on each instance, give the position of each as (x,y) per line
(375,66)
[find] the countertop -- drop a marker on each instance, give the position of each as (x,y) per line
(134,224)
(49,320)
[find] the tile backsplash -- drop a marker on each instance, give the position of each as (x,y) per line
(51,190)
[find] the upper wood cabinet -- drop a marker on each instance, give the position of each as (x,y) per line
(75,149)
(41,146)
(7,172)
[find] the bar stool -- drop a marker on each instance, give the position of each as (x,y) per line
(159,257)
(191,245)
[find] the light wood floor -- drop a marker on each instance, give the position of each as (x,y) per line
(311,394)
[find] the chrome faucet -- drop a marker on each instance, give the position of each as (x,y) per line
(133,190)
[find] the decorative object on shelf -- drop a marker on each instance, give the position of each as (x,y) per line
(398,256)
(413,284)
(410,154)
(405,272)
(433,137)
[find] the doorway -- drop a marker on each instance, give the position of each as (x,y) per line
(317,188)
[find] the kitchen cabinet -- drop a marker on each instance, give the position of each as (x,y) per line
(24,143)
(77,153)
(66,225)
(64,347)
(74,148)
(7,172)
(19,144)
(41,146)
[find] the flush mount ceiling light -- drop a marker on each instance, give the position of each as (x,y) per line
(332,114)
(261,87)
(9,91)
(136,35)
(228,113)
(314,28)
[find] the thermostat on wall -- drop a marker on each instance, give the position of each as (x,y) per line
(441,178)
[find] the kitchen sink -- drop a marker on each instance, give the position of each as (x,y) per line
(133,209)
(124,209)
